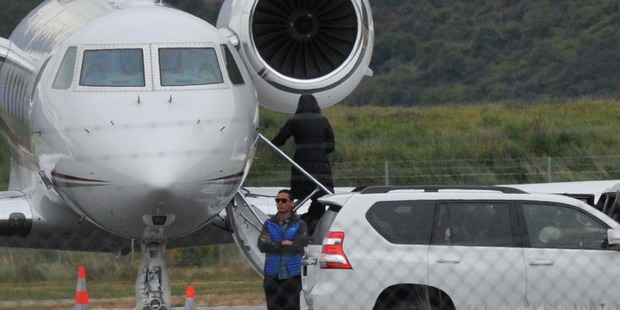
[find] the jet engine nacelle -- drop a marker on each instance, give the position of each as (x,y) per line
(15,214)
(293,47)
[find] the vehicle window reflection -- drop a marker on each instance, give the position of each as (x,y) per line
(474,224)
(552,226)
(403,222)
(113,68)
(189,66)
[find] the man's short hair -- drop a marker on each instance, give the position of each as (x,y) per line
(288,192)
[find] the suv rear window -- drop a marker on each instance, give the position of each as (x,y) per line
(322,227)
(403,222)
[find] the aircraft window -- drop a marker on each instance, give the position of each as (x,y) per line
(64,76)
(189,66)
(233,70)
(38,79)
(113,68)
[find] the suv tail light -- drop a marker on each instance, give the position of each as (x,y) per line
(332,254)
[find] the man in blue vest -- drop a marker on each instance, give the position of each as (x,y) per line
(282,239)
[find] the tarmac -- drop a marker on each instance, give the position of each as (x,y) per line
(30,304)
(199,308)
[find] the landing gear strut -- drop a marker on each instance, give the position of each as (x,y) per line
(152,283)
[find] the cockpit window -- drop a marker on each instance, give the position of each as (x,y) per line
(113,68)
(231,66)
(189,66)
(64,76)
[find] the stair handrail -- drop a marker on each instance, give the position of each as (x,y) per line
(292,162)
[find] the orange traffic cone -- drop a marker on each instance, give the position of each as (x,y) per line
(81,294)
(190,303)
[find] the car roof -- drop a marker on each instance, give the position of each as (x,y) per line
(370,195)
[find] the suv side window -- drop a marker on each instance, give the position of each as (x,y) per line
(403,222)
(473,224)
(556,226)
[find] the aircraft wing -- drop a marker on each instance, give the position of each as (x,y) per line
(579,188)
(263,198)
(22,224)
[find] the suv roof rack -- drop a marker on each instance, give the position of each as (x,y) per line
(437,188)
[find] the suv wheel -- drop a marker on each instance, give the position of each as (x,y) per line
(412,304)
(408,297)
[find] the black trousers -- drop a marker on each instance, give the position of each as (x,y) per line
(282,294)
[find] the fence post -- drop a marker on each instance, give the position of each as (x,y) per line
(386,172)
(549,178)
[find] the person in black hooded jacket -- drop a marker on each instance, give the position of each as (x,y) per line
(314,140)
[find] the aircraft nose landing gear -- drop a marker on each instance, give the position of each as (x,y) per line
(153,284)
(154,292)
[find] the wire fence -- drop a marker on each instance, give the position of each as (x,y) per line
(22,270)
(454,171)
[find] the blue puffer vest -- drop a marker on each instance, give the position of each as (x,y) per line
(272,261)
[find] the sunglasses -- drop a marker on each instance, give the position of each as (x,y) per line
(282,200)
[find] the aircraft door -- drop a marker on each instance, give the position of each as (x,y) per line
(246,222)
(614,209)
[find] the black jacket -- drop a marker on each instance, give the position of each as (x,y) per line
(314,139)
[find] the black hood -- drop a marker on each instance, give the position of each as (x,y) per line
(307,104)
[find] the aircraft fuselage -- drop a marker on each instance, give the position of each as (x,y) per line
(126,120)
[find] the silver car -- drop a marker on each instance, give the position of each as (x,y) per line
(447,247)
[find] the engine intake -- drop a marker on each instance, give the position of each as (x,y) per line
(293,47)
(304,39)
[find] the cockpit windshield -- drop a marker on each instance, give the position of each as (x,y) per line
(189,66)
(147,66)
(113,68)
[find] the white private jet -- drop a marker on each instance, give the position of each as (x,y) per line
(131,120)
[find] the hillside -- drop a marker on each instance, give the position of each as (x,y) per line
(430,52)
(437,52)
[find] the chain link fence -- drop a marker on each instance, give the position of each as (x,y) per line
(508,257)
(454,171)
(49,275)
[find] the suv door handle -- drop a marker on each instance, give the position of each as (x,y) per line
(449,259)
(540,262)
(308,260)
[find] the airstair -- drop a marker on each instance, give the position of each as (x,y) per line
(246,220)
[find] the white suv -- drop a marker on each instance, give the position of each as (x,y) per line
(444,247)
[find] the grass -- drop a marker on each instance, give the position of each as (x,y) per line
(45,279)
(433,138)
(484,136)
(120,295)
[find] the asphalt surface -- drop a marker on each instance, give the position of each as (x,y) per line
(34,304)
(198,308)
(211,308)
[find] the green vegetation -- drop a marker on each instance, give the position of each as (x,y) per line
(429,140)
(481,138)
(430,52)
(480,144)
(221,278)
